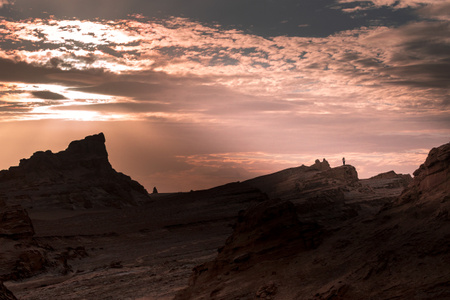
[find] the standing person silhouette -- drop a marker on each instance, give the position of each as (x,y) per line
(343,161)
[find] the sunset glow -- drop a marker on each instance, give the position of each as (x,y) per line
(370,81)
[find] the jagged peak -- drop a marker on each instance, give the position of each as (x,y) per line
(90,145)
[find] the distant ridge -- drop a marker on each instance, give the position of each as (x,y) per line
(78,177)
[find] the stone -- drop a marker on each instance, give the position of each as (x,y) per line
(15,223)
(320,166)
(5,294)
(79,177)
(432,179)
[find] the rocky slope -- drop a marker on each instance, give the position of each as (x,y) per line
(401,252)
(78,177)
(20,255)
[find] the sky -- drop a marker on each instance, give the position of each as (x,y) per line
(191,94)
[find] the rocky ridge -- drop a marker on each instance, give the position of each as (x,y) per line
(401,251)
(78,177)
(328,195)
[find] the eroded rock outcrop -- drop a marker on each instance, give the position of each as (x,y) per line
(20,255)
(5,294)
(319,192)
(320,166)
(14,222)
(269,231)
(391,180)
(78,177)
(432,179)
(403,251)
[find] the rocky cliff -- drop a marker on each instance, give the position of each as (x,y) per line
(78,177)
(432,179)
(401,251)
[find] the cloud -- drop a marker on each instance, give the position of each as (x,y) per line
(266,18)
(181,72)
(207,71)
(203,104)
(48,95)
(436,10)
(6,2)
(394,3)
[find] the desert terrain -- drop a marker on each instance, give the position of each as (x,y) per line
(74,228)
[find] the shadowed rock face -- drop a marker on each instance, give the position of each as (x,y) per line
(20,256)
(401,252)
(266,231)
(5,294)
(392,179)
(14,222)
(432,179)
(79,177)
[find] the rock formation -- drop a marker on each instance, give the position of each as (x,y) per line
(20,255)
(392,179)
(402,251)
(5,294)
(319,192)
(14,222)
(266,231)
(432,179)
(320,166)
(79,177)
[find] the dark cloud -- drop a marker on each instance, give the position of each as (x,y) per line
(13,107)
(436,11)
(11,71)
(422,75)
(48,95)
(126,89)
(123,107)
(262,17)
